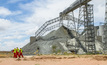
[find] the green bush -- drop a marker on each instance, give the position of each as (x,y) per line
(65,53)
(37,64)
(54,49)
(59,51)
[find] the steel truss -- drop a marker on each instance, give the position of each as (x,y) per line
(86,14)
(43,29)
(105,31)
(49,28)
(77,23)
(85,19)
(38,32)
(89,27)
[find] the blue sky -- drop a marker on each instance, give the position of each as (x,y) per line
(19,19)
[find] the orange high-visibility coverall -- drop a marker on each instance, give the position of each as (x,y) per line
(17,52)
(20,53)
(15,55)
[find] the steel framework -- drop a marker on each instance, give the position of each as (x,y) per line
(105,30)
(85,19)
(89,27)
(49,28)
(67,17)
(38,32)
(74,6)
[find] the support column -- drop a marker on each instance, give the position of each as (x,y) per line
(61,20)
(89,27)
(105,31)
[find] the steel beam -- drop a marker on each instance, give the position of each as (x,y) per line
(43,29)
(45,25)
(74,6)
(49,28)
(105,30)
(89,28)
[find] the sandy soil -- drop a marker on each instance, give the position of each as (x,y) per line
(56,60)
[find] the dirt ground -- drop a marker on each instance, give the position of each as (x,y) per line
(57,60)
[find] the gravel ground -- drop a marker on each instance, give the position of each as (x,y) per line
(56,60)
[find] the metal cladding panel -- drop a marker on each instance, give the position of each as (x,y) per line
(101,30)
(74,6)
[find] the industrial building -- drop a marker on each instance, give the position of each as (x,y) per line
(73,35)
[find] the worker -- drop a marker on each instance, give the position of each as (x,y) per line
(20,54)
(17,52)
(14,51)
(37,51)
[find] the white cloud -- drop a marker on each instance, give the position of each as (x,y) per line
(4,11)
(9,45)
(99,10)
(31,31)
(11,32)
(100,14)
(16,12)
(13,37)
(44,11)
(14,31)
(4,24)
